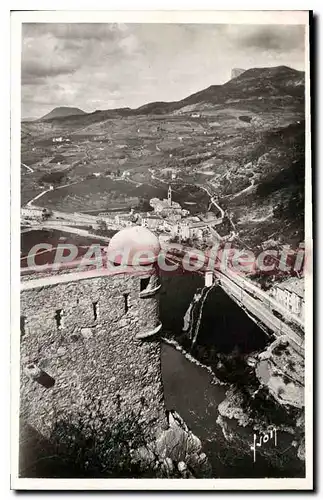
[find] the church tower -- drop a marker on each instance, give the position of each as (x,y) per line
(169,196)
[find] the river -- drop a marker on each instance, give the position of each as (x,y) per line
(191,390)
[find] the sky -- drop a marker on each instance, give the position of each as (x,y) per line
(106,66)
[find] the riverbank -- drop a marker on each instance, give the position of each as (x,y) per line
(190,358)
(191,390)
(213,384)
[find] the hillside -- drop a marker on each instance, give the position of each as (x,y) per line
(272,86)
(62,112)
(243,140)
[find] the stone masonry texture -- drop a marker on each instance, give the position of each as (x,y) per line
(82,336)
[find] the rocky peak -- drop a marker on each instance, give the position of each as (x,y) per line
(236,72)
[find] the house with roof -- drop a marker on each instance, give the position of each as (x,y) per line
(290,293)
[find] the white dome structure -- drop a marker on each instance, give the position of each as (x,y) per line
(133,246)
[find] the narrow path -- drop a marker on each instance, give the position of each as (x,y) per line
(244,191)
(212,200)
(72,229)
(30,202)
(28,168)
(48,251)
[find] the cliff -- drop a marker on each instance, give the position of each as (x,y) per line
(236,72)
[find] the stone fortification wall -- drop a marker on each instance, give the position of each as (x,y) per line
(78,343)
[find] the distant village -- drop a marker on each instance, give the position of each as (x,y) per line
(168,217)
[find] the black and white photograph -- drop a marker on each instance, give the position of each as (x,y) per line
(161,216)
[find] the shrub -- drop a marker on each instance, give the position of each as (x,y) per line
(54,178)
(90,444)
(102,227)
(291,365)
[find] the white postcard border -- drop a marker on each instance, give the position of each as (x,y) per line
(231,17)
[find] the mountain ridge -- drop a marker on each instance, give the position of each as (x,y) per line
(253,83)
(62,112)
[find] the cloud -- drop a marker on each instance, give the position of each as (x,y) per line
(73,31)
(45,56)
(264,37)
(36,73)
(49,50)
(114,65)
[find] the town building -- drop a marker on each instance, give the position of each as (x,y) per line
(35,213)
(31,212)
(60,139)
(153,222)
(125,219)
(188,230)
(290,293)
(168,207)
(181,231)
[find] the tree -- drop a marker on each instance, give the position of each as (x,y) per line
(90,444)
(279,210)
(54,178)
(46,214)
(103,228)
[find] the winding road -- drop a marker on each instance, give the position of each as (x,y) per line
(245,190)
(31,202)
(212,200)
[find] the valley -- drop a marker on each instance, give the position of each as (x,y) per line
(243,142)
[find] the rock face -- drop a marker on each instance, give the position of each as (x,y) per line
(236,72)
(239,424)
(176,451)
(231,407)
(301,450)
(281,369)
(272,401)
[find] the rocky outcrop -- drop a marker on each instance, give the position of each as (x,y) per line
(177,452)
(301,450)
(236,72)
(281,369)
(231,407)
(240,424)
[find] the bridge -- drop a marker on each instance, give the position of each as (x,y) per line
(259,311)
(258,305)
